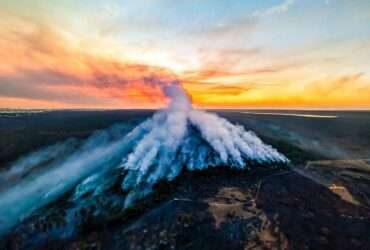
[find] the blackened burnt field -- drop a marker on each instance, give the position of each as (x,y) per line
(320,201)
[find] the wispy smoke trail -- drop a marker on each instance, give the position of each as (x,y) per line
(102,150)
(158,149)
(35,162)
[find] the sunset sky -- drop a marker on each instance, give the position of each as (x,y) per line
(312,54)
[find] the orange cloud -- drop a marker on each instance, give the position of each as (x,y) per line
(43,67)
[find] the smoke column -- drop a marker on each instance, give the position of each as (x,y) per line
(158,149)
(182,137)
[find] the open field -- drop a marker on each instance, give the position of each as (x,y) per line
(344,135)
(320,201)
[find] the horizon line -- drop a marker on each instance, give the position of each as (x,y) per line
(154,109)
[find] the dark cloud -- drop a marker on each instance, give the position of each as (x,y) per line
(228,90)
(38,77)
(37,92)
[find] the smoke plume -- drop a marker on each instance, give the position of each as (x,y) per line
(176,138)
(182,137)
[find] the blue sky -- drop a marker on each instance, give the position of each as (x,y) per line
(294,44)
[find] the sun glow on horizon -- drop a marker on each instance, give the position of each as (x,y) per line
(242,55)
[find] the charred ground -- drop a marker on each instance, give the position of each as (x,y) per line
(283,208)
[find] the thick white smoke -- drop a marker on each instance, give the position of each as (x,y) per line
(182,137)
(158,149)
